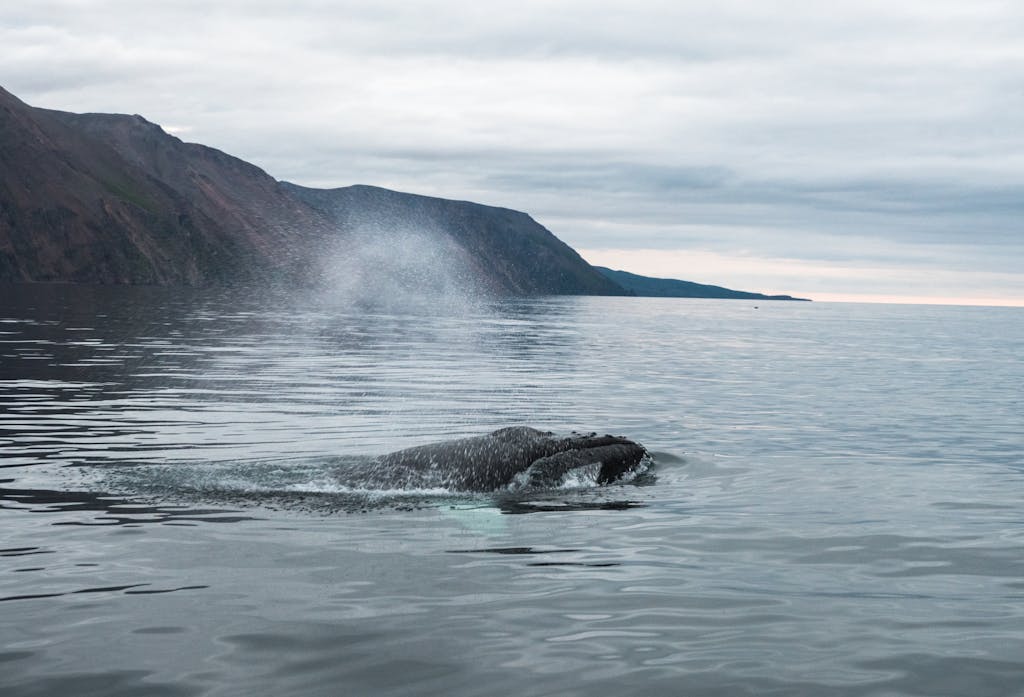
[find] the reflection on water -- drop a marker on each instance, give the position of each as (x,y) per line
(193,382)
(133,589)
(110,510)
(835,509)
(169,494)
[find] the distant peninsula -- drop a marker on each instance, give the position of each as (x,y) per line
(114,199)
(646,286)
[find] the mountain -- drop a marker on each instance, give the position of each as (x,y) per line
(113,199)
(108,198)
(646,286)
(501,250)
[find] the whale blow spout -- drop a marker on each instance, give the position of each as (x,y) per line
(516,455)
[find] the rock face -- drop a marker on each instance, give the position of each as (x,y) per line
(113,199)
(106,198)
(501,250)
(646,286)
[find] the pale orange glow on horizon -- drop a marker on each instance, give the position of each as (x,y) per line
(916,300)
(801,278)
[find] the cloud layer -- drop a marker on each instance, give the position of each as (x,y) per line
(837,149)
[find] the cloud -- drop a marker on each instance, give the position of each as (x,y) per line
(849,130)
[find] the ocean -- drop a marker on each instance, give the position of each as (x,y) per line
(834,504)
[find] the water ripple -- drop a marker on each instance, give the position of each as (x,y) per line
(834,510)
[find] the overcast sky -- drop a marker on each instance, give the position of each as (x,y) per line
(835,150)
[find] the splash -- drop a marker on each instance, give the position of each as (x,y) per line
(329,484)
(400,267)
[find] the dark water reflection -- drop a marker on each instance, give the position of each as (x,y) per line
(835,510)
(109,510)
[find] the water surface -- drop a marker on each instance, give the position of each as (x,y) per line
(835,506)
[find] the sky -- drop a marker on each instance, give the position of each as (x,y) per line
(850,151)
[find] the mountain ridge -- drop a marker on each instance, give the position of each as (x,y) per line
(501,248)
(111,198)
(651,287)
(114,199)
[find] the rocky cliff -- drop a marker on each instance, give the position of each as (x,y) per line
(113,199)
(497,249)
(105,198)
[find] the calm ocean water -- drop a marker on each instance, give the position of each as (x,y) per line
(836,506)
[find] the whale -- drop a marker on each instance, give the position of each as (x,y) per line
(516,456)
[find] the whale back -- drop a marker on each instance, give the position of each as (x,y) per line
(493,461)
(480,463)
